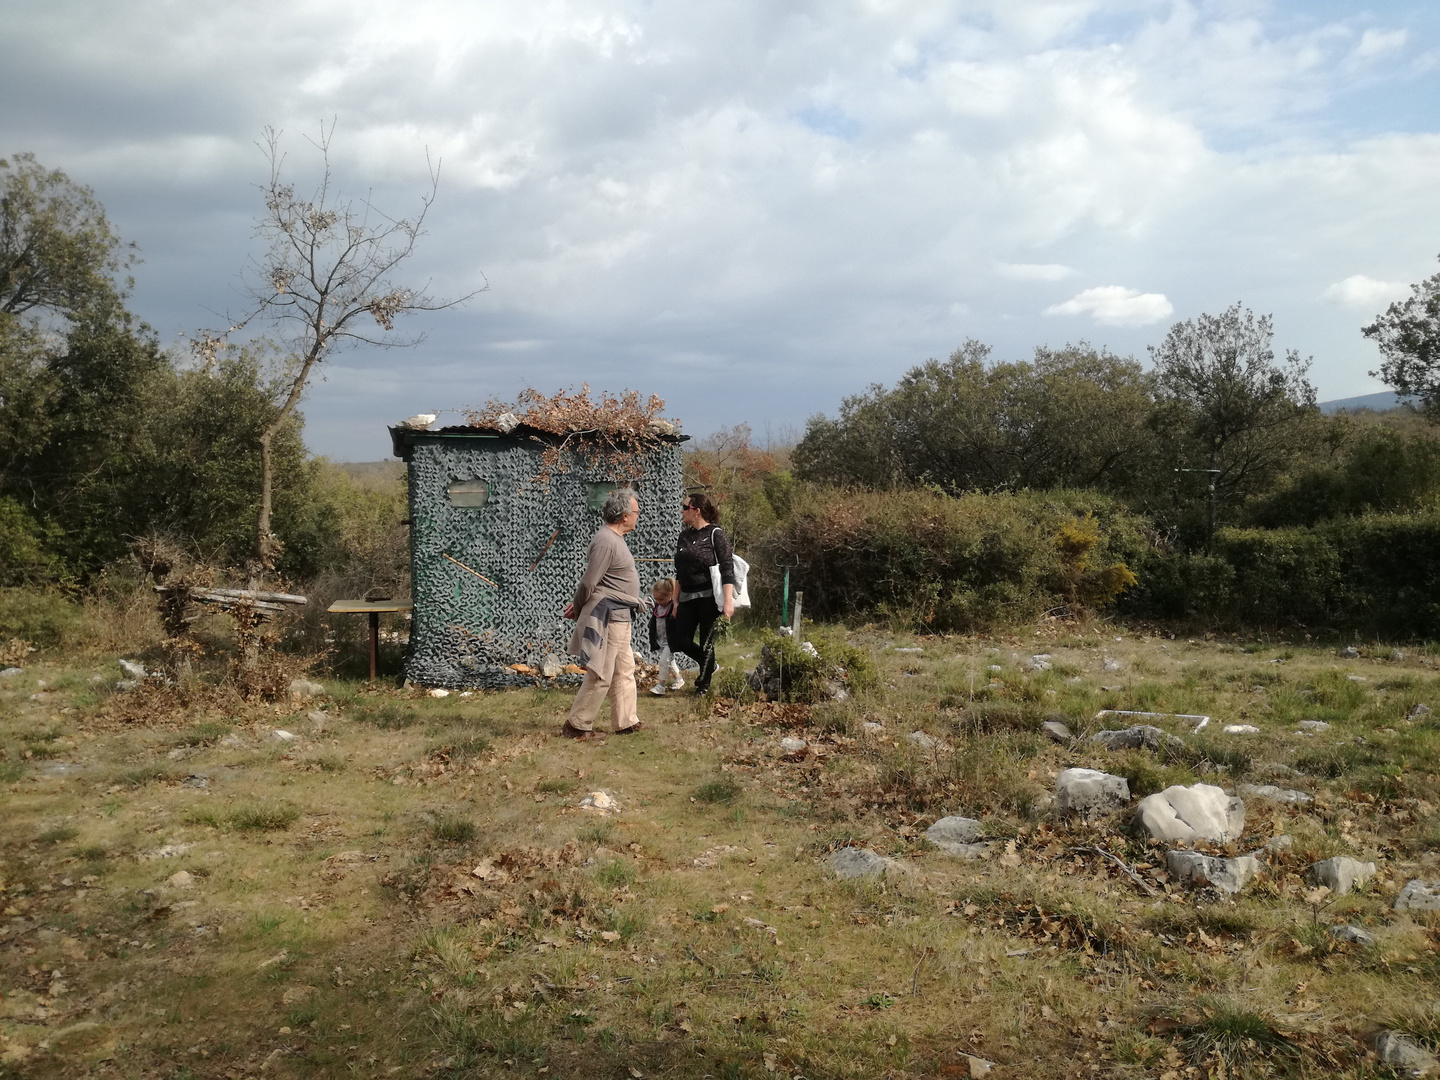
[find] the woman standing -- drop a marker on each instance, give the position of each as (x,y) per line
(702,544)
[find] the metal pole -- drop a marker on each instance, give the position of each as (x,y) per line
(374,642)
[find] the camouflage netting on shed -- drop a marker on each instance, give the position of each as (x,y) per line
(474,497)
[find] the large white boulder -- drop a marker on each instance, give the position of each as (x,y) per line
(1090,791)
(1186,814)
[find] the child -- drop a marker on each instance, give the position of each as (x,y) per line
(662,625)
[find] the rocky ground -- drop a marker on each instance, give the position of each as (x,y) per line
(1078,852)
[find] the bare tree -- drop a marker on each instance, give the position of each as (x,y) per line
(325,281)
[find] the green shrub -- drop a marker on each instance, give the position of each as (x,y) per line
(42,617)
(795,672)
(720,790)
(262,817)
(925,560)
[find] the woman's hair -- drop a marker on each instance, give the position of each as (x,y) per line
(708,510)
(665,589)
(617,504)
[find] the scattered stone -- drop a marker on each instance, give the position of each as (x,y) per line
(180,752)
(1111,665)
(601,802)
(1057,731)
(134,669)
(181,879)
(11,672)
(853,862)
(924,741)
(195,780)
(1283,842)
(1038,662)
(437,692)
(282,735)
(978,1066)
(915,648)
(872,727)
(127,684)
(1288,796)
(1414,714)
(1396,654)
(1405,1054)
(1352,934)
(167,851)
(1276,768)
(1090,791)
(551,666)
(1357,678)
(995,667)
(1140,737)
(1197,812)
(1240,729)
(792,745)
(1349,653)
(957,835)
(304,688)
(1313,725)
(1340,874)
(1419,895)
(1227,875)
(808,648)
(316,717)
(233,742)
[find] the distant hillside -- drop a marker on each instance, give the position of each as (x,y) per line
(1381,402)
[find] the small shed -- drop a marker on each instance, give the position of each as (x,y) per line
(496,551)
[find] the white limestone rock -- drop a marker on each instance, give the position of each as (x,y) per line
(1196,870)
(853,862)
(1186,814)
(1090,791)
(1405,1055)
(958,836)
(1353,934)
(1056,731)
(1419,895)
(1286,796)
(1340,874)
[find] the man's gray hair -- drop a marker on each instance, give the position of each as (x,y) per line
(617,504)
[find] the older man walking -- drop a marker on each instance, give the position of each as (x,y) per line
(604,607)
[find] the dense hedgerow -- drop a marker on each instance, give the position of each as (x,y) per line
(924,559)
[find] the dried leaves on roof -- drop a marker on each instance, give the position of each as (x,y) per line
(612,433)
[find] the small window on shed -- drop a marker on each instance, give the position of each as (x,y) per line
(598,491)
(471,494)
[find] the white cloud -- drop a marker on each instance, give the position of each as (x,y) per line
(1115,305)
(816,195)
(1377,43)
(1034,271)
(1366,293)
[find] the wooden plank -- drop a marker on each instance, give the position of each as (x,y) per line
(235,594)
(360,607)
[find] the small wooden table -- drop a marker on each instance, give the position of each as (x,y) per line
(374,610)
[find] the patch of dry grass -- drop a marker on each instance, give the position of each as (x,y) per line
(413,889)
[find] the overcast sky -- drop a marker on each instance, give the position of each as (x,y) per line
(755,208)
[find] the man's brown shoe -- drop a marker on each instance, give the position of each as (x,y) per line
(639,725)
(583,736)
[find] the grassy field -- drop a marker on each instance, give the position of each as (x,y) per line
(410,886)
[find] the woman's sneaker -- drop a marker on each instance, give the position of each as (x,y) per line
(658,690)
(677,683)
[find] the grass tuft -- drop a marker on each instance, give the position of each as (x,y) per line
(453,829)
(721,790)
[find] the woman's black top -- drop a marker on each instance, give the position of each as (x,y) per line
(697,551)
